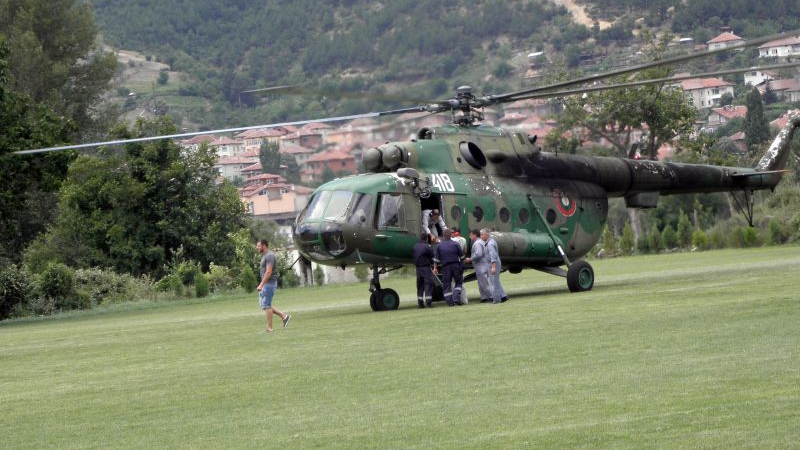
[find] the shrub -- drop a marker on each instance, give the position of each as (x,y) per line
(319,275)
(627,244)
(15,290)
(55,290)
(749,236)
(654,239)
(700,240)
(684,233)
(361,272)
(777,233)
(170,283)
(200,285)
(106,286)
(668,238)
(220,278)
(248,279)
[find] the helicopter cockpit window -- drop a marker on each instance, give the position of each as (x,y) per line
(473,154)
(317,205)
(390,211)
(337,206)
(361,211)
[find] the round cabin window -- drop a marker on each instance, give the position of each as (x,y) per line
(551,216)
(455,213)
(477,213)
(523,215)
(505,215)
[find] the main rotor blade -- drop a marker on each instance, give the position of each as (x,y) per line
(305,91)
(569,92)
(512,96)
(225,130)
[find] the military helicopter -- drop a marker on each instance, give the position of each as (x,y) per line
(547,210)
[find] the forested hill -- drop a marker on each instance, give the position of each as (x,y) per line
(235,45)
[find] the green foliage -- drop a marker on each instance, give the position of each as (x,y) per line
(248,280)
(361,272)
(270,158)
(54,290)
(319,275)
(756,127)
(54,59)
(684,232)
(220,278)
(106,287)
(15,290)
(668,237)
(777,233)
(700,240)
(654,239)
(201,288)
(163,78)
(627,243)
(131,212)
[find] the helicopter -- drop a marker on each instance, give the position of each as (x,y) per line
(547,210)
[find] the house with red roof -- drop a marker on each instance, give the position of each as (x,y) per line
(194,143)
(787,90)
(781,121)
(231,167)
(227,147)
(253,139)
(268,196)
(780,48)
(705,92)
(339,163)
(724,40)
(721,116)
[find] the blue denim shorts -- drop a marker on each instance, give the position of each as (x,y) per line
(266,293)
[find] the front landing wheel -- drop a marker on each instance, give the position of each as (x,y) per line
(580,277)
(384,300)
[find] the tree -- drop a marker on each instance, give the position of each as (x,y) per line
(53,56)
(616,115)
(27,183)
(270,157)
(134,211)
(756,127)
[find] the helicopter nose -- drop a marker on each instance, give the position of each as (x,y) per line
(321,241)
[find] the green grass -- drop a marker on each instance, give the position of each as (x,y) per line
(673,351)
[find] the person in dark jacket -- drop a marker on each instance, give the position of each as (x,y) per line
(448,256)
(423,258)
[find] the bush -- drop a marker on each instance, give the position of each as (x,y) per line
(684,233)
(55,290)
(700,240)
(106,286)
(220,278)
(654,240)
(248,279)
(361,272)
(15,290)
(668,238)
(627,243)
(777,233)
(201,285)
(319,275)
(170,283)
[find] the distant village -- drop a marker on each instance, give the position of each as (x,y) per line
(320,148)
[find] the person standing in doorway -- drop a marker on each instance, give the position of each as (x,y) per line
(496,266)
(479,257)
(269,284)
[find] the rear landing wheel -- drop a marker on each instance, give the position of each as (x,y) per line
(580,277)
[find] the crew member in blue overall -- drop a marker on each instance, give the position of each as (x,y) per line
(423,258)
(479,257)
(448,255)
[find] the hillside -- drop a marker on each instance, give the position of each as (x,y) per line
(420,49)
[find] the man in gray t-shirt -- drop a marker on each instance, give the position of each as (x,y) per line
(268,274)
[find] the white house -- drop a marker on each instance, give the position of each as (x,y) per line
(756,77)
(724,40)
(705,92)
(781,48)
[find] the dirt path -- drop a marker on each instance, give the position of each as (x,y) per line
(579,15)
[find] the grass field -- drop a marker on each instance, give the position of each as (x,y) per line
(670,352)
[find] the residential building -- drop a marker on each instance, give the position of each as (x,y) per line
(705,92)
(720,116)
(756,77)
(724,40)
(232,167)
(227,147)
(337,162)
(780,48)
(194,143)
(253,139)
(787,90)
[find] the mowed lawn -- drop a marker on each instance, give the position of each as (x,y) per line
(688,350)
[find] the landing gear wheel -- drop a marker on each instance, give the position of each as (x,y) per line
(580,277)
(384,300)
(372,303)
